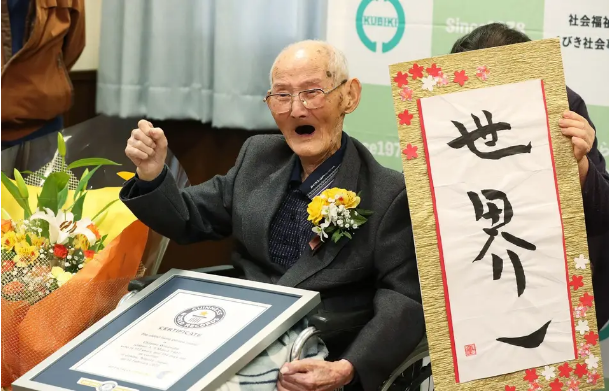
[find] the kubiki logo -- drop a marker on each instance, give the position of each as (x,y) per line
(390,24)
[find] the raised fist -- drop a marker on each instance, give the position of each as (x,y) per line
(147,149)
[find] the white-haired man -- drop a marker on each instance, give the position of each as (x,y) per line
(262,201)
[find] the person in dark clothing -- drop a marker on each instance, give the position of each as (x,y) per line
(593,176)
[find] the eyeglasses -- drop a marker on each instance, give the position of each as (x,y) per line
(311,99)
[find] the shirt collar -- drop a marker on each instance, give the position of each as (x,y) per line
(328,167)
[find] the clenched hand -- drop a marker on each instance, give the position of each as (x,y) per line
(147,149)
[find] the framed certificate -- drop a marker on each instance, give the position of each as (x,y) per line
(186,331)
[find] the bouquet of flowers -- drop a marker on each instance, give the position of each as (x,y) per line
(44,250)
(59,274)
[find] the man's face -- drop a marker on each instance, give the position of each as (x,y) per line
(310,133)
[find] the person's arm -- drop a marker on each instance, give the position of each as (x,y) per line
(142,187)
(593,173)
(74,41)
(187,215)
(398,324)
(595,194)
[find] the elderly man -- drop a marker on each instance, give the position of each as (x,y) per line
(262,201)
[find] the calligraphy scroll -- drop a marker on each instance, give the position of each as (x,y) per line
(497,216)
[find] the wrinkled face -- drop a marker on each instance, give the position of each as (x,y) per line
(310,133)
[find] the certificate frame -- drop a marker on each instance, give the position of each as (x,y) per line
(304,302)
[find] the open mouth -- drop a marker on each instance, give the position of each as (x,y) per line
(305,129)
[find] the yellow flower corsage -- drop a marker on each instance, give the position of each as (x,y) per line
(335,212)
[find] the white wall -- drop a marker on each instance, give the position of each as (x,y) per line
(89,59)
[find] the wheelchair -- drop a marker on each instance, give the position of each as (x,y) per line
(412,375)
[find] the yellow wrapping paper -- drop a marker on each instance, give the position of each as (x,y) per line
(118,215)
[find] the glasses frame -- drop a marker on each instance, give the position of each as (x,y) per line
(297,94)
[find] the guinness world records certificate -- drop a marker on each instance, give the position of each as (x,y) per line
(168,341)
(186,331)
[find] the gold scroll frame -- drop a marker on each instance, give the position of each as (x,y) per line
(507,64)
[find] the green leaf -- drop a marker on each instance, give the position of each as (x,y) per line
(77,207)
(44,225)
(359,220)
(99,246)
(91,162)
(5,214)
(62,196)
(82,184)
(61,145)
(337,235)
(330,229)
(348,235)
(28,239)
(21,184)
(100,219)
(104,209)
(50,190)
(14,191)
(364,212)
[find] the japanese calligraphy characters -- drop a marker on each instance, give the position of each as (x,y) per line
(500,217)
(499,228)
(469,138)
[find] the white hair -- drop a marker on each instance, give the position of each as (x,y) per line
(337,62)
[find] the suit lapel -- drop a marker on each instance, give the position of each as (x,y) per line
(311,262)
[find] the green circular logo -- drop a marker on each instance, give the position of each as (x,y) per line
(398,23)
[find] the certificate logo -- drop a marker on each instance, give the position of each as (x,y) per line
(106,386)
(200,316)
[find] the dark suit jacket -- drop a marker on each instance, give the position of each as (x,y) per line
(595,195)
(375,270)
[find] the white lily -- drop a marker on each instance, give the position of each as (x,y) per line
(320,231)
(62,226)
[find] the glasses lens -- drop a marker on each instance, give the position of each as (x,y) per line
(279,103)
(312,99)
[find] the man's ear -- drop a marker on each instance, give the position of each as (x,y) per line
(353,95)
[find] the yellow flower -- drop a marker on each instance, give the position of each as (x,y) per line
(350,200)
(314,209)
(38,242)
(330,194)
(56,271)
(9,240)
(342,197)
(63,278)
(26,253)
(81,242)
(21,236)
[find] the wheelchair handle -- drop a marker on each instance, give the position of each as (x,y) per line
(300,342)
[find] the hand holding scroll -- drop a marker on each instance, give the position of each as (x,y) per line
(582,137)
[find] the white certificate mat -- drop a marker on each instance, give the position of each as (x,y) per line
(168,341)
(499,229)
